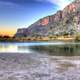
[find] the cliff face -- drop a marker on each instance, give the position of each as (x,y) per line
(63,22)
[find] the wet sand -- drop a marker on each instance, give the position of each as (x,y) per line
(16,66)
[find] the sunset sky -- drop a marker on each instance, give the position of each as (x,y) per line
(16,14)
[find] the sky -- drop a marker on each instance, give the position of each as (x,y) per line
(16,14)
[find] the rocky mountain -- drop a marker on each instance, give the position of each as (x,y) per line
(63,22)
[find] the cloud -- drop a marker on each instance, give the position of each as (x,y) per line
(59,3)
(8,4)
(15,3)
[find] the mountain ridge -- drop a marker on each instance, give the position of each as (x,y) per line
(64,22)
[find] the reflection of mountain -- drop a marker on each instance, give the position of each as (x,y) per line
(61,23)
(59,50)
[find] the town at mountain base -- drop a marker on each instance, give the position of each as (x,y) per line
(64,25)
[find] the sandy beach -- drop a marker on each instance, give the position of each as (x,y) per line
(17,66)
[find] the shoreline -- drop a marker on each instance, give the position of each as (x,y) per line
(31,39)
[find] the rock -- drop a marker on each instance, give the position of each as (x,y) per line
(63,22)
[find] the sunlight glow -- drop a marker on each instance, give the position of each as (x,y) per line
(60,3)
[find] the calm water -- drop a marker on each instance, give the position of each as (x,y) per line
(50,48)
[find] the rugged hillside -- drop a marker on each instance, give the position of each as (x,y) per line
(61,23)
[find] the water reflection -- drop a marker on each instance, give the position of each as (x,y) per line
(53,48)
(60,50)
(13,48)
